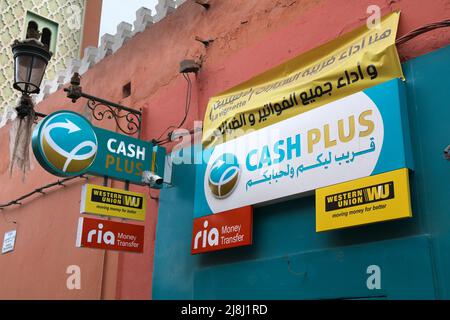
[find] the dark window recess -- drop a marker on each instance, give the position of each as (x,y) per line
(45,30)
(46,37)
(126,90)
(32,29)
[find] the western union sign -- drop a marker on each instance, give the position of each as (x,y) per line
(111,202)
(367,200)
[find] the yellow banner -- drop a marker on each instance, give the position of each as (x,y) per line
(112,202)
(353,62)
(377,198)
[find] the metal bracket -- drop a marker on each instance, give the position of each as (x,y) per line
(102,108)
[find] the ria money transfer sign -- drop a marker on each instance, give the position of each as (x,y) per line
(110,235)
(360,135)
(223,230)
(66,144)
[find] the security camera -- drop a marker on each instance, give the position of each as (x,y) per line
(151,179)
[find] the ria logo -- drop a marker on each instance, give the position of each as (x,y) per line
(224,175)
(65,143)
(108,237)
(207,237)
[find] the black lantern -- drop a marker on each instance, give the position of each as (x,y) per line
(30,58)
(30,61)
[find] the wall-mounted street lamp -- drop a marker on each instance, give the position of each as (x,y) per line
(31,58)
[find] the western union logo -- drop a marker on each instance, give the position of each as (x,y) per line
(375,193)
(116,198)
(377,198)
(112,202)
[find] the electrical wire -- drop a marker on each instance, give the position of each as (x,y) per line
(187,107)
(426,28)
(188,99)
(168,140)
(40,191)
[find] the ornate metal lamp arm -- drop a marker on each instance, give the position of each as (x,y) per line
(101,108)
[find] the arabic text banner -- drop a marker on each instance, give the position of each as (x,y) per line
(351,63)
(355,137)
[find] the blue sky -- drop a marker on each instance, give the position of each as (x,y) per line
(116,11)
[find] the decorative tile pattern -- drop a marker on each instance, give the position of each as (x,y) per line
(12,26)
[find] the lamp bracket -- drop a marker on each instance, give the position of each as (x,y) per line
(102,108)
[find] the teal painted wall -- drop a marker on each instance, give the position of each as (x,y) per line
(289,260)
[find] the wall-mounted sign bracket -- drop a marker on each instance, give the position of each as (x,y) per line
(102,108)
